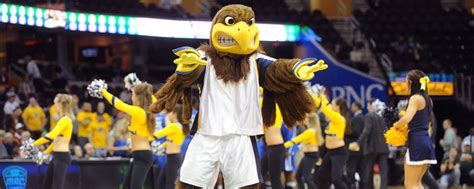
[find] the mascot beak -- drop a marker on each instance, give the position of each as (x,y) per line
(243,36)
(239,38)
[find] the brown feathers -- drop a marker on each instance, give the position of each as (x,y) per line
(228,67)
(177,87)
(238,12)
(282,87)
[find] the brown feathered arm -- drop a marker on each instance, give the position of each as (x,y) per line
(283,87)
(177,87)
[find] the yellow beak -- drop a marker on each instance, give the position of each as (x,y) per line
(239,38)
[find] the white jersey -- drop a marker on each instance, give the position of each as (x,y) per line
(232,107)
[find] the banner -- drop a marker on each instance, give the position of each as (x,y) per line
(341,80)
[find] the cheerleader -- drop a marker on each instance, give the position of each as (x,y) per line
(175,134)
(60,137)
(141,128)
(312,138)
(420,152)
(334,161)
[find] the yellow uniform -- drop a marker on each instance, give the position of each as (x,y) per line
(53,117)
(84,120)
(63,128)
(138,121)
(34,117)
(99,131)
(173,133)
(307,137)
(337,124)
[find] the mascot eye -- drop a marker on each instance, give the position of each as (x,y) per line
(229,20)
(252,21)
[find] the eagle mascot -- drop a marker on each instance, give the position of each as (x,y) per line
(228,72)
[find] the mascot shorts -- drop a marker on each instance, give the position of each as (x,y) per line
(234,155)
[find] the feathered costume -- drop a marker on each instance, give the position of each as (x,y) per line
(229,71)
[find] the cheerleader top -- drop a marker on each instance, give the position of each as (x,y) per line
(138,121)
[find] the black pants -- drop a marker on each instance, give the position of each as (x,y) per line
(332,169)
(276,157)
(169,174)
(138,171)
(303,173)
(370,160)
(56,173)
(355,165)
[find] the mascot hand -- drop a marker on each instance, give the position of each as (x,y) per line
(131,80)
(304,71)
(189,59)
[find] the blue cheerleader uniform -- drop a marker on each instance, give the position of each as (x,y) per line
(420,148)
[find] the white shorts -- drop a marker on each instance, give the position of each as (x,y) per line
(234,155)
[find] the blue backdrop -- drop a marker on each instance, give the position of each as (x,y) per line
(341,80)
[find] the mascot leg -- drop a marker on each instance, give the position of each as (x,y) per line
(182,185)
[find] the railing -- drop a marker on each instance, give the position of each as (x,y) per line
(383,61)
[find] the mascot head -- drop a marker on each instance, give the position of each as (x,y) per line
(234,30)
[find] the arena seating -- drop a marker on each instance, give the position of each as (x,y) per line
(441,38)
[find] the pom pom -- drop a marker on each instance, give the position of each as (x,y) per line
(32,152)
(396,137)
(131,80)
(95,87)
(378,107)
(315,89)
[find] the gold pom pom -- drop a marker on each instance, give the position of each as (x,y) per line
(396,137)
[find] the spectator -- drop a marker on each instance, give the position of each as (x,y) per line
(84,119)
(35,74)
(469,140)
(13,121)
(90,151)
(3,150)
(78,154)
(25,135)
(356,57)
(118,136)
(4,80)
(450,171)
(449,139)
(11,104)
(99,128)
(11,145)
(356,53)
(26,88)
(126,96)
(400,45)
(34,118)
(466,164)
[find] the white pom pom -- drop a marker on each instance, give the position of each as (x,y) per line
(317,89)
(131,80)
(378,106)
(30,151)
(95,87)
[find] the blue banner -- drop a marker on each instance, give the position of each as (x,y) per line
(341,80)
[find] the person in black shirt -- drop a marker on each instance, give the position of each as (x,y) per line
(356,159)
